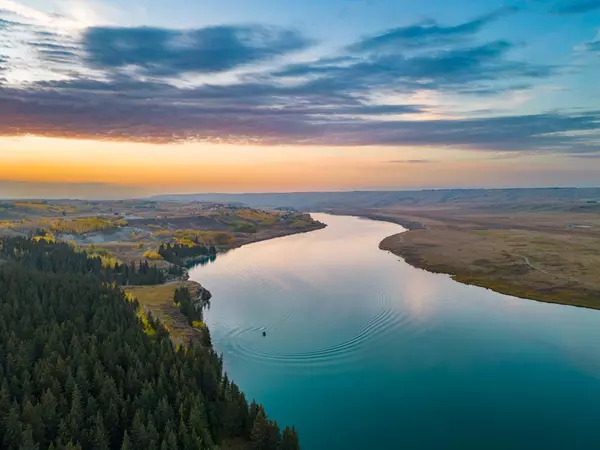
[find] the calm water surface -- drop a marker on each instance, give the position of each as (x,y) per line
(364,351)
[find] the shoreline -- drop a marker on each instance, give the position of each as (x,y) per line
(158,299)
(507,279)
(394,244)
(190,262)
(405,223)
(274,234)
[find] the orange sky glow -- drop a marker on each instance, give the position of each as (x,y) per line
(40,165)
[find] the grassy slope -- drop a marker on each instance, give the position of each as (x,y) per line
(158,299)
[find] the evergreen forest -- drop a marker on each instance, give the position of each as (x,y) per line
(82,368)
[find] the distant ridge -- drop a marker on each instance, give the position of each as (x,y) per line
(534,197)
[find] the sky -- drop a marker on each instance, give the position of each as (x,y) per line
(115,98)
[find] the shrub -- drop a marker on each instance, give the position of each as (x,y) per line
(152,255)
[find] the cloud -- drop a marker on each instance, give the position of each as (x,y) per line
(4,59)
(593,46)
(586,155)
(576,6)
(458,69)
(122,110)
(39,45)
(6,24)
(72,20)
(245,114)
(55,52)
(93,92)
(161,51)
(428,33)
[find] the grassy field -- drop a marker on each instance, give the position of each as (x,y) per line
(549,256)
(158,299)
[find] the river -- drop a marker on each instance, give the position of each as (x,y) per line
(363,351)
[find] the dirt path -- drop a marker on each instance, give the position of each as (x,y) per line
(559,277)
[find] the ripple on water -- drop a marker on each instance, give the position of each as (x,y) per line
(341,356)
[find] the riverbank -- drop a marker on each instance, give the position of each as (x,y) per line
(158,299)
(341,313)
(531,255)
(273,233)
(132,231)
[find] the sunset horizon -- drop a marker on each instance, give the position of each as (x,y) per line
(352,95)
(299,224)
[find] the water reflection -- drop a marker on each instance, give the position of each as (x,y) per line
(357,340)
(202,261)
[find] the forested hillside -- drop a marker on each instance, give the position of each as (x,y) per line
(59,257)
(81,368)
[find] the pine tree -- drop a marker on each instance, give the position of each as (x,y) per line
(100,435)
(27,441)
(32,415)
(274,436)
(48,411)
(138,430)
(153,436)
(126,445)
(12,429)
(289,439)
(197,419)
(253,412)
(260,433)
(172,441)
(4,400)
(75,418)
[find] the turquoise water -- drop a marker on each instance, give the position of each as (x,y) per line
(366,352)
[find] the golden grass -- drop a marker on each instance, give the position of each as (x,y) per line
(265,218)
(84,225)
(467,246)
(158,300)
(159,294)
(187,237)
